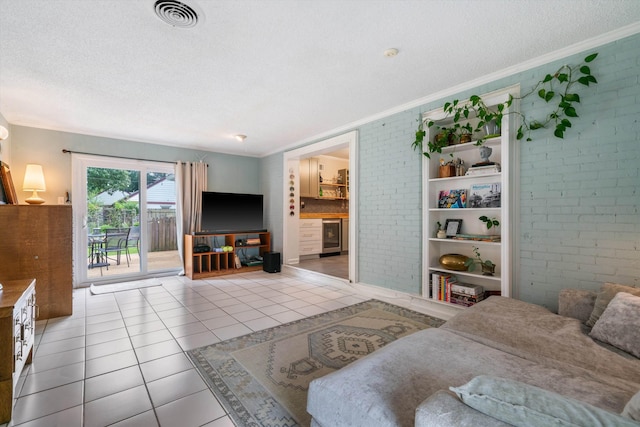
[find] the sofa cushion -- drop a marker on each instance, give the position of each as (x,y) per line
(385,387)
(619,325)
(576,303)
(444,409)
(632,408)
(606,294)
(534,333)
(525,405)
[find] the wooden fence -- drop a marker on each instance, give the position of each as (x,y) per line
(161,225)
(161,233)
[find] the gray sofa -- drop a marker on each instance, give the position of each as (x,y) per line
(408,382)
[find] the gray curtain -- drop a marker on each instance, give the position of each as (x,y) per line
(191,181)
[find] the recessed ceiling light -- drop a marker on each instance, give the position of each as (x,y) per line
(241,137)
(389,53)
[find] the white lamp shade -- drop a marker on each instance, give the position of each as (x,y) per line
(33,179)
(4,133)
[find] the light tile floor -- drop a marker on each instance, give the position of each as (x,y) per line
(120,358)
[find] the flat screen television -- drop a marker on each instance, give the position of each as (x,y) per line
(226,213)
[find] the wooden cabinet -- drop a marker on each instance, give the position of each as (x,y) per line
(489,191)
(309,177)
(17,329)
(205,257)
(36,241)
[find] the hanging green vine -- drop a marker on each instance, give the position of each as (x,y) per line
(556,87)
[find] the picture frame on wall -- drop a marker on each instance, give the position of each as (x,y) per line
(8,195)
(452,227)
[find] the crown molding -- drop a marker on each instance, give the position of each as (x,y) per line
(573,49)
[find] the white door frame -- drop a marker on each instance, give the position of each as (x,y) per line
(79,165)
(291,223)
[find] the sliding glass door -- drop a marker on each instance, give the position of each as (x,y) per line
(125,219)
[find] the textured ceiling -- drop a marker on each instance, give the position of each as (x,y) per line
(280,71)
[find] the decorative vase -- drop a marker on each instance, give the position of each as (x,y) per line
(488,270)
(454,262)
(447,171)
(441,234)
(492,129)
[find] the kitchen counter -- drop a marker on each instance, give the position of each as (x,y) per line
(323,215)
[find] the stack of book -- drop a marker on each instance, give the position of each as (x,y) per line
(483,169)
(466,294)
(445,287)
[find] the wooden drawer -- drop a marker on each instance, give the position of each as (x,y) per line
(311,223)
(310,234)
(310,248)
(17,329)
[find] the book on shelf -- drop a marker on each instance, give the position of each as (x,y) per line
(441,286)
(452,199)
(478,237)
(485,195)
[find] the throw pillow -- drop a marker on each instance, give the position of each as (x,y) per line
(619,325)
(522,404)
(632,408)
(609,290)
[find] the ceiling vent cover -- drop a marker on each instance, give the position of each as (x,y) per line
(176,13)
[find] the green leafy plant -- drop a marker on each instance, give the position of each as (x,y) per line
(555,89)
(470,263)
(489,222)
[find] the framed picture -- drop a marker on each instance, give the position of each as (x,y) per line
(449,199)
(8,190)
(452,227)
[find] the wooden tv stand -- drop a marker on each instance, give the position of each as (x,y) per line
(212,263)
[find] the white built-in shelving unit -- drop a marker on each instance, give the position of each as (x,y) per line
(504,151)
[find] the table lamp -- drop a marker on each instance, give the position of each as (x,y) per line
(34,181)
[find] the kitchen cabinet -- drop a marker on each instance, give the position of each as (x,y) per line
(309,177)
(310,237)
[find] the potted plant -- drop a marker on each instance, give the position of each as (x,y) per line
(488,267)
(489,222)
(563,108)
(441,233)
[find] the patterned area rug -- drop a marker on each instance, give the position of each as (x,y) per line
(262,378)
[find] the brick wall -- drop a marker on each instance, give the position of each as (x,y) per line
(579,197)
(579,222)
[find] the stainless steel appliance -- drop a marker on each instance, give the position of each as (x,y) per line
(331,235)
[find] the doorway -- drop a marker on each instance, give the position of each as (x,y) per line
(124,219)
(335,188)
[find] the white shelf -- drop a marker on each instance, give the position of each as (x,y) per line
(503,152)
(492,142)
(453,210)
(465,177)
(467,242)
(495,277)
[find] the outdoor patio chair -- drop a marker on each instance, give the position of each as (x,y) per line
(115,241)
(133,240)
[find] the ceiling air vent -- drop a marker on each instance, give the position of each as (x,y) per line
(176,13)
